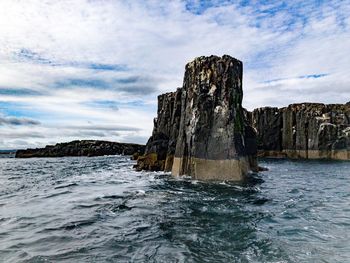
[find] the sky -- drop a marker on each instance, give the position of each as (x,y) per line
(92,69)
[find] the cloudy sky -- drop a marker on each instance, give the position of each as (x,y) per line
(80,69)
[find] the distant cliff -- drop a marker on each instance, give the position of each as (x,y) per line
(201,129)
(305,130)
(82,148)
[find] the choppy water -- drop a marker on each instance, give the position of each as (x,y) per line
(100,210)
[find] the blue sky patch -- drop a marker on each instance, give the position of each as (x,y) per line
(95,83)
(108,67)
(311,76)
(25,54)
(19,92)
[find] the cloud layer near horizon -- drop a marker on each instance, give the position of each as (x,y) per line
(93,68)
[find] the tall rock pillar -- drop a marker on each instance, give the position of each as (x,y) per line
(214,142)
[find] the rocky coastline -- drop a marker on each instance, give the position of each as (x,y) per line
(303,131)
(201,129)
(88,148)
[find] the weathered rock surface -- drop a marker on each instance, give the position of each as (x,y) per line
(268,123)
(160,148)
(304,130)
(82,148)
(201,129)
(214,141)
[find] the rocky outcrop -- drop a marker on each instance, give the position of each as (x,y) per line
(201,128)
(211,142)
(82,148)
(160,148)
(304,130)
(268,122)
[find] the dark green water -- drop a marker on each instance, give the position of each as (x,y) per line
(100,210)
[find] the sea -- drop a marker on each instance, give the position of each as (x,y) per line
(98,209)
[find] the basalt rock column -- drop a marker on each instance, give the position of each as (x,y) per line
(212,134)
(304,131)
(160,148)
(268,123)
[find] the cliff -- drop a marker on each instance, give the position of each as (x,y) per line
(82,148)
(305,130)
(160,148)
(201,129)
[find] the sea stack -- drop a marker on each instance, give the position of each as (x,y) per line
(211,141)
(201,128)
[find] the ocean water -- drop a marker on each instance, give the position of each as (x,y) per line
(100,210)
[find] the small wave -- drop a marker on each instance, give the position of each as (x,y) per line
(14,177)
(49,241)
(116,182)
(120,207)
(140,192)
(86,206)
(79,224)
(4,219)
(260,201)
(57,194)
(110,197)
(64,186)
(70,225)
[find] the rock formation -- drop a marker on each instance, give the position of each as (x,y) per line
(305,130)
(268,121)
(160,148)
(201,129)
(82,148)
(211,141)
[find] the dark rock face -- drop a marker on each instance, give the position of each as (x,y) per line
(82,148)
(211,144)
(307,130)
(201,128)
(268,121)
(160,147)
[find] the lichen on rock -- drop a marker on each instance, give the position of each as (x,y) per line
(203,129)
(304,130)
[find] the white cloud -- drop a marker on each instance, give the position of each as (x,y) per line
(58,50)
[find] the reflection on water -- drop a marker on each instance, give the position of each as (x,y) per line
(100,210)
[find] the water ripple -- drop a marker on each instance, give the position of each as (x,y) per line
(100,210)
